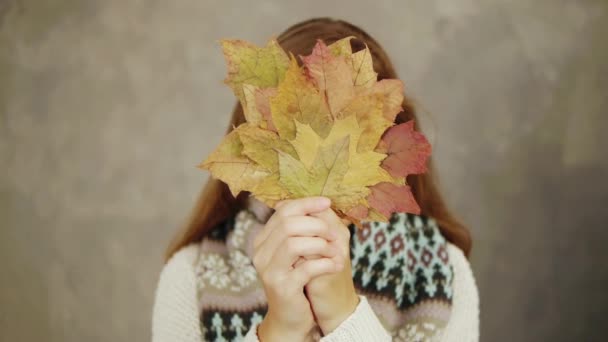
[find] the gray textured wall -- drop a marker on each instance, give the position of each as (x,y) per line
(106,106)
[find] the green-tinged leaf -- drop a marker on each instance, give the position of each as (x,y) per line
(261,146)
(298,99)
(228,164)
(258,66)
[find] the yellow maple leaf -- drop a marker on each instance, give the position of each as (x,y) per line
(261,146)
(229,164)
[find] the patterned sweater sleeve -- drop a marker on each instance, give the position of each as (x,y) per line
(464,321)
(175,316)
(362,325)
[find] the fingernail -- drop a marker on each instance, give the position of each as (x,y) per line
(325,201)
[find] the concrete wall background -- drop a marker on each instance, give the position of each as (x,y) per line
(106,106)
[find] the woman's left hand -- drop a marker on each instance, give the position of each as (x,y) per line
(332,296)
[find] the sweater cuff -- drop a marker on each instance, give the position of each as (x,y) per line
(361,325)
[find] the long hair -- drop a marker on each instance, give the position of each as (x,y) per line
(216,203)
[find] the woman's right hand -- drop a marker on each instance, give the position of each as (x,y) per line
(288,235)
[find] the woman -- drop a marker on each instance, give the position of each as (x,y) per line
(243,271)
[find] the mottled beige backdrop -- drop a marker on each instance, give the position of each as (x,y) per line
(106,106)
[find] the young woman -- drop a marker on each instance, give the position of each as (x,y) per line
(243,271)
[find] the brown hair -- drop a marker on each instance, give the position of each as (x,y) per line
(216,203)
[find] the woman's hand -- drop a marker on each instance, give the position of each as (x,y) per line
(332,296)
(288,235)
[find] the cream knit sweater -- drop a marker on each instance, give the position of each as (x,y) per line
(176,314)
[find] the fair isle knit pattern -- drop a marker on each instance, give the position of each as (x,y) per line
(401,267)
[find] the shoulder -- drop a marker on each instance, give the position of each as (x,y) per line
(175,312)
(179,268)
(186,256)
(464,319)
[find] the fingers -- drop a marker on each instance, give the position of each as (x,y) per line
(327,215)
(292,226)
(297,250)
(279,246)
(291,234)
(302,206)
(333,221)
(293,248)
(297,226)
(301,260)
(310,269)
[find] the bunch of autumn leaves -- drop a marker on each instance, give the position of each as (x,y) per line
(323,129)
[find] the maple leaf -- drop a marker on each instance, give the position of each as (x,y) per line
(297,99)
(229,164)
(332,75)
(323,129)
(383,195)
(253,66)
(407,150)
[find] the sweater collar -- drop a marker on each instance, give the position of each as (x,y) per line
(250,220)
(260,210)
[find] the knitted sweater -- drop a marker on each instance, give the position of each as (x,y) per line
(412,285)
